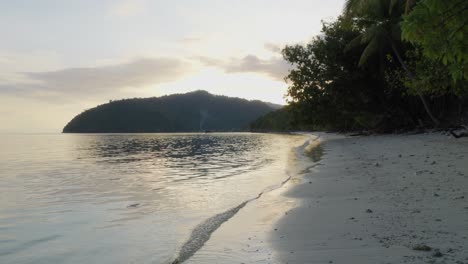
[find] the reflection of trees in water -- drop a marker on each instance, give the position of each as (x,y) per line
(315,153)
(189,156)
(173,146)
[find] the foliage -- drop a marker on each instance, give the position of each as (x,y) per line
(279,120)
(378,24)
(196,111)
(360,74)
(329,90)
(440,28)
(430,76)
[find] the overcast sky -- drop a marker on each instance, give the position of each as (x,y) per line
(60,57)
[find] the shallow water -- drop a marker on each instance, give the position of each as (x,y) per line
(127,198)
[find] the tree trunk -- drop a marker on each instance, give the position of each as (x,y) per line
(420,95)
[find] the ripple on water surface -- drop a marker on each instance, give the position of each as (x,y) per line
(125,198)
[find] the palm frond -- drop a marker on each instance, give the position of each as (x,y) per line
(351,6)
(370,49)
(371,33)
(357,41)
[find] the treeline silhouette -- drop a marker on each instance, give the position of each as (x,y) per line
(382,65)
(190,112)
(276,121)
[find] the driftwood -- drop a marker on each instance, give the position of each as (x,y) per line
(461,134)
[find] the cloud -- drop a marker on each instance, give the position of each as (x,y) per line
(94,82)
(189,40)
(128,8)
(208,61)
(12,64)
(274,67)
(272,47)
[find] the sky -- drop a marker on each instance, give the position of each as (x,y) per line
(61,57)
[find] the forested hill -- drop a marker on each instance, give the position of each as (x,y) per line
(195,111)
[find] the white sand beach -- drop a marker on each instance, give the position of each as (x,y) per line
(372,199)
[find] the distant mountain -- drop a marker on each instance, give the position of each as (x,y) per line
(190,112)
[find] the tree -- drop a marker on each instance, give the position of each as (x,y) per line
(329,90)
(278,120)
(440,28)
(379,23)
(432,76)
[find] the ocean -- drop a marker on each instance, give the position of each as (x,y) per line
(129,198)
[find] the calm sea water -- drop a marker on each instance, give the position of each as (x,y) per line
(127,198)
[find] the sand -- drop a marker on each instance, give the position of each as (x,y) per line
(372,199)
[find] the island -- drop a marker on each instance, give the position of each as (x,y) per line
(190,112)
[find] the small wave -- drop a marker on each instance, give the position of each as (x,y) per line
(28,244)
(203,231)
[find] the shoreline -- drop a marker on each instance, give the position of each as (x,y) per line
(376,199)
(369,199)
(244,238)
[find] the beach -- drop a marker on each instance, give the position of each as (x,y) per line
(367,199)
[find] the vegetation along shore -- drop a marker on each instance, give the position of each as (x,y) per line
(381,66)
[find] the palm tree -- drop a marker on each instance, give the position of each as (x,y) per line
(380,20)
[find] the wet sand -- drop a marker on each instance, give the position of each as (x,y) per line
(372,199)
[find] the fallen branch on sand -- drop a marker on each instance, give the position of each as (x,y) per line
(461,134)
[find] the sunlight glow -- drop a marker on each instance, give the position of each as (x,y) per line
(58,58)
(251,86)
